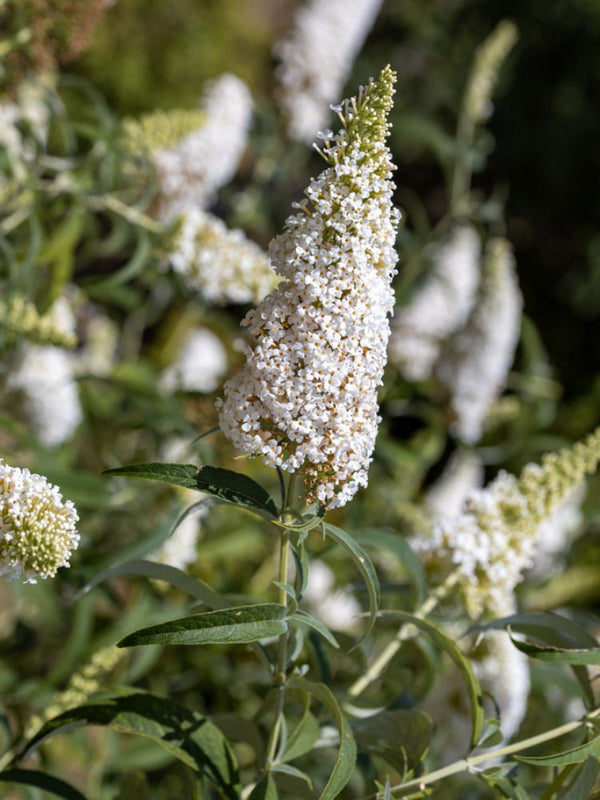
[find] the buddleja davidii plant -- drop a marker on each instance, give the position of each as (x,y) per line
(305,402)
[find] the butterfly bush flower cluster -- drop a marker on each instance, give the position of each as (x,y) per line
(475,365)
(191,171)
(440,306)
(488,61)
(316,57)
(494,538)
(37,528)
(306,399)
(219,263)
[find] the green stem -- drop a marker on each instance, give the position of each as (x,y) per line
(280,674)
(469,764)
(404,633)
(461,173)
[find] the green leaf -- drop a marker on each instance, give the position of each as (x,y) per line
(365,566)
(41,780)
(160,572)
(399,546)
(346,757)
(186,734)
(400,736)
(554,630)
(584,781)
(238,625)
(229,486)
(576,755)
(589,656)
(303,737)
(302,617)
(448,646)
(293,772)
(264,790)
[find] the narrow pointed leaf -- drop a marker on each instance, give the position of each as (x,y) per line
(41,780)
(227,485)
(304,618)
(365,566)
(576,755)
(238,625)
(303,737)
(449,647)
(589,657)
(187,735)
(346,757)
(293,772)
(400,736)
(554,630)
(161,572)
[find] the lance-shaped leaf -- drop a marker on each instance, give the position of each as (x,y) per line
(575,755)
(583,782)
(465,668)
(556,631)
(161,572)
(41,780)
(264,790)
(365,566)
(187,735)
(229,486)
(561,655)
(238,625)
(346,757)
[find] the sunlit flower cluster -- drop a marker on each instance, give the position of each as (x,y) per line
(191,171)
(307,397)
(316,58)
(199,366)
(439,307)
(494,539)
(477,360)
(222,265)
(37,528)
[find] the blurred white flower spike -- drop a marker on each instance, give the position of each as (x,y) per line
(439,307)
(306,399)
(37,527)
(316,59)
(476,363)
(192,170)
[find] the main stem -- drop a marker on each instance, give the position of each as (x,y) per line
(404,633)
(279,674)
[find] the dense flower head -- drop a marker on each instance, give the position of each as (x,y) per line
(439,307)
(475,365)
(494,538)
(220,263)
(306,399)
(37,528)
(316,58)
(193,169)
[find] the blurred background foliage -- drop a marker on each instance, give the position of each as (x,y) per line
(537,167)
